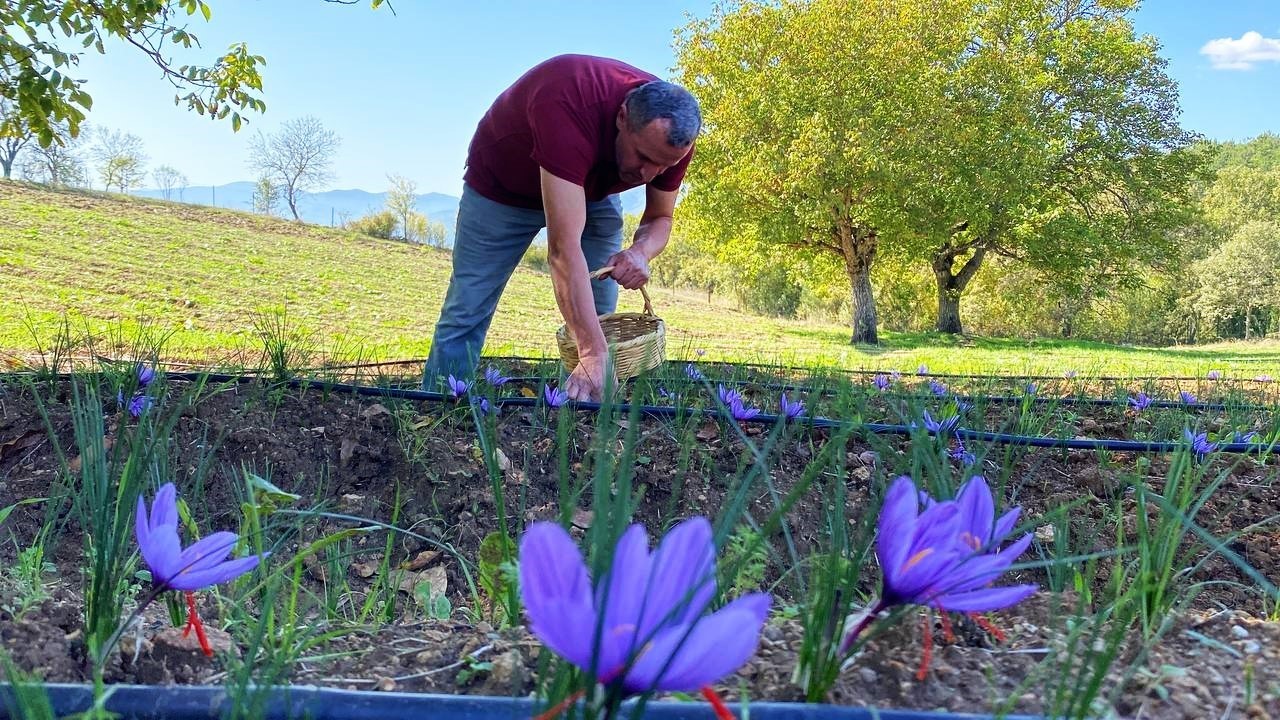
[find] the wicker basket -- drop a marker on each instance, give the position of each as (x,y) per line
(638,340)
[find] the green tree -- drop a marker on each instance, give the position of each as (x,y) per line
(266,196)
(43,41)
(826,128)
(121,161)
(401,200)
(1078,165)
(1241,280)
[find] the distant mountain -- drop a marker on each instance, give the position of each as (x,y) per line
(333,207)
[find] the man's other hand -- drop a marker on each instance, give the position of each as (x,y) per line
(630,268)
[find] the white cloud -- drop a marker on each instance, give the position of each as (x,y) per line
(1229,54)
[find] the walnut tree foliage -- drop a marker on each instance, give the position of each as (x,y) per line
(938,131)
(43,41)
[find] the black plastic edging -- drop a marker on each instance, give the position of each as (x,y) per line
(149,702)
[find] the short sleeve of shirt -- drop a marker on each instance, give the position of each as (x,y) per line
(669,181)
(560,142)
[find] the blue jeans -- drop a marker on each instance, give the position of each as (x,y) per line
(488,243)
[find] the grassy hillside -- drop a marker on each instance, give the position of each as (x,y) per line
(111,262)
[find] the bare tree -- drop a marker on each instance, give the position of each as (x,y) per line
(297,157)
(59,163)
(14,135)
(121,161)
(168,179)
(401,200)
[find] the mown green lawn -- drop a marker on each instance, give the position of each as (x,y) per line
(110,263)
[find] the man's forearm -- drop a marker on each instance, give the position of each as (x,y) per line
(652,236)
(569,279)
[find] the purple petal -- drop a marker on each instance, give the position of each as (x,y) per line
(897,523)
(627,584)
(1005,525)
(980,570)
(976,510)
(987,598)
(717,645)
(160,552)
(215,575)
(557,592)
(683,578)
(207,552)
(164,510)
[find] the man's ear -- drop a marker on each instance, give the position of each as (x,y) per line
(622,116)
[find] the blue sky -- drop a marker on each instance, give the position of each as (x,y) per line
(404,91)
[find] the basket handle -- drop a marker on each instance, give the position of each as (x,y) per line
(604,272)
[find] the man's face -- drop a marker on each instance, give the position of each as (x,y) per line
(645,154)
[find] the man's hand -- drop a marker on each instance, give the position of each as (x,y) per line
(586,382)
(630,268)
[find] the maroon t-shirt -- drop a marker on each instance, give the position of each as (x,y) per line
(560,115)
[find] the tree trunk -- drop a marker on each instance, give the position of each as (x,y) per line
(858,245)
(6,163)
(951,285)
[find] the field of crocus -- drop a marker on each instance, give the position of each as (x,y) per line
(710,535)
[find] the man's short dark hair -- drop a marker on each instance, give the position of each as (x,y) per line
(659,100)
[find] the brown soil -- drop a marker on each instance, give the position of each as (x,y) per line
(353,455)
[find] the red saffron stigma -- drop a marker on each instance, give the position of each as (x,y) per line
(987,625)
(721,710)
(947,634)
(193,621)
(560,706)
(923,672)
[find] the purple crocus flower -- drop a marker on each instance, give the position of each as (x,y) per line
(1214,375)
(1186,397)
(939,426)
(146,374)
(1070,374)
(693,372)
(700,352)
(728,396)
(649,607)
(495,378)
(937,388)
(1264,378)
(139,404)
(881,381)
(1238,437)
(173,568)
(922,370)
(740,411)
(791,409)
(457,388)
(961,453)
(1141,402)
(946,557)
(485,406)
(554,396)
(895,376)
(1030,388)
(1200,444)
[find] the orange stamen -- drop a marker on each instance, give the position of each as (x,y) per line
(987,625)
(721,710)
(923,672)
(914,559)
(560,706)
(193,621)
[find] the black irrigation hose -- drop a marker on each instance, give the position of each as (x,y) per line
(861,371)
(662,411)
(987,399)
